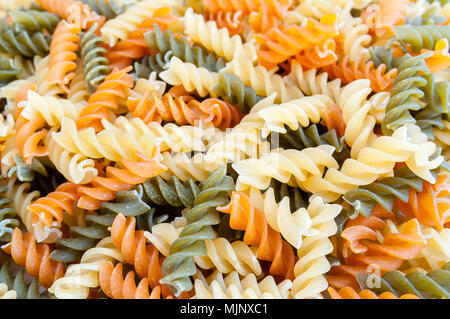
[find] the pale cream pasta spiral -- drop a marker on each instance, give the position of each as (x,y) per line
(5,293)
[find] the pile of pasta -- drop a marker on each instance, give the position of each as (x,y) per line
(225,149)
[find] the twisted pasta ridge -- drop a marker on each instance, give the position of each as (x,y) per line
(21,199)
(173,192)
(38,112)
(232,287)
(115,286)
(124,51)
(184,167)
(103,189)
(350,293)
(75,12)
(421,36)
(33,20)
(293,226)
(356,107)
(197,55)
(430,285)
(404,93)
(25,43)
(219,41)
(5,293)
(280,43)
(122,25)
(271,247)
(8,71)
(70,250)
(108,8)
(442,139)
(128,203)
(8,220)
(34,257)
(105,97)
(191,77)
(311,83)
(180,265)
(388,255)
(262,81)
(437,251)
(65,43)
(278,8)
(43,87)
(430,204)
(298,198)
(287,166)
(132,244)
(152,63)
(78,93)
(312,262)
(95,64)
(230,20)
(384,192)
(409,143)
(45,209)
(183,110)
(18,284)
(355,39)
(380,80)
(79,278)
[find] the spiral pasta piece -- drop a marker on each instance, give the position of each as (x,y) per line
(277,8)
(115,286)
(35,257)
(65,43)
(350,293)
(271,246)
(287,166)
(79,278)
(179,265)
(408,143)
(105,97)
(230,20)
(33,20)
(232,287)
(122,25)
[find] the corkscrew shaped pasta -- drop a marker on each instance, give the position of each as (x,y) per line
(430,285)
(233,21)
(38,112)
(313,263)
(183,110)
(132,244)
(122,178)
(287,166)
(122,25)
(8,71)
(65,43)
(311,83)
(408,146)
(384,192)
(380,80)
(184,167)
(262,81)
(128,203)
(278,8)
(422,36)
(78,93)
(105,98)
(33,20)
(5,293)
(70,250)
(95,64)
(42,85)
(24,43)
(7,217)
(179,265)
(271,247)
(18,284)
(233,287)
(293,226)
(219,41)
(108,8)
(173,192)
(125,51)
(115,286)
(195,54)
(404,93)
(360,235)
(21,199)
(35,257)
(152,63)
(430,204)
(437,251)
(350,293)
(79,278)
(314,37)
